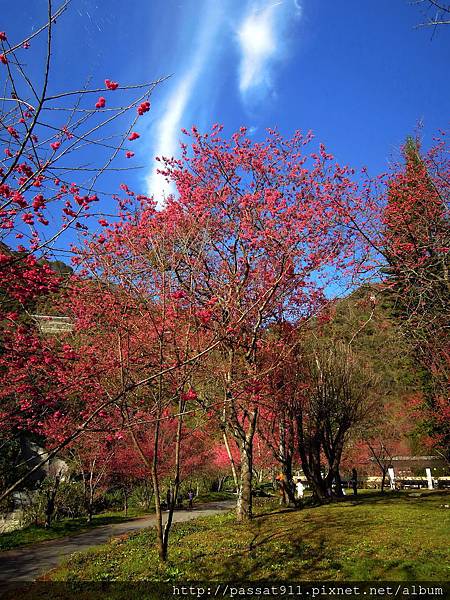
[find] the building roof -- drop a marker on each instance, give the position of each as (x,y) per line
(418,461)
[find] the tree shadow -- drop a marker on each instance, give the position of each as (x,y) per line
(280,511)
(396,496)
(305,549)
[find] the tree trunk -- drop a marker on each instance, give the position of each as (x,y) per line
(244,509)
(49,509)
(158,515)
(90,503)
(309,451)
(125,499)
(338,481)
(285,458)
(221,482)
(162,551)
(230,456)
(383,480)
(333,446)
(50,506)
(148,496)
(176,484)
(244,505)
(318,486)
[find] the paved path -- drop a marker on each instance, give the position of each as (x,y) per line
(29,562)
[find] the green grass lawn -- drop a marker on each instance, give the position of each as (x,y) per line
(212,497)
(33,533)
(396,536)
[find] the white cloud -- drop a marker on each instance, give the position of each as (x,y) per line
(258,44)
(262,40)
(167,133)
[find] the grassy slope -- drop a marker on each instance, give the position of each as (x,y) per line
(391,537)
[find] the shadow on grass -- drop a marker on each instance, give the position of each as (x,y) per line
(276,511)
(366,497)
(319,542)
(387,497)
(299,550)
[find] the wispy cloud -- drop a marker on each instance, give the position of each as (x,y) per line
(261,29)
(168,133)
(262,41)
(178,103)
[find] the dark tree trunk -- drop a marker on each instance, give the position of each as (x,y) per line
(284,455)
(162,551)
(49,509)
(286,468)
(158,515)
(333,445)
(50,505)
(309,452)
(176,484)
(338,480)
(383,480)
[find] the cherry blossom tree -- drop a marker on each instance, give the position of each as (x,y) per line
(277,414)
(93,457)
(156,336)
(269,227)
(47,189)
(46,186)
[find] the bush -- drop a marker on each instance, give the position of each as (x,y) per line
(69,502)
(141,497)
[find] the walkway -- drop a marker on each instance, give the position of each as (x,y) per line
(29,562)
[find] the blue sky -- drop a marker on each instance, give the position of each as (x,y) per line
(357,73)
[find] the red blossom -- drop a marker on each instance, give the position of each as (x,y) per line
(13,132)
(189,395)
(28,218)
(178,295)
(101,102)
(111,85)
(38,202)
(143,108)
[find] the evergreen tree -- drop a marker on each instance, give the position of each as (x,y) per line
(416,245)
